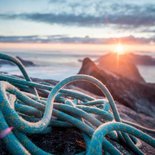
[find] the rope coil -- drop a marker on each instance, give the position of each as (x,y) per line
(22,108)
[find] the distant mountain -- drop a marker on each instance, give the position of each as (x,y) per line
(24,62)
(124,65)
(129,57)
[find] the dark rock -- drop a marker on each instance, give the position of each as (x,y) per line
(24,62)
(136,95)
(122,65)
(61,141)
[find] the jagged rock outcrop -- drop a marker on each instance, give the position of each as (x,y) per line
(24,62)
(138,96)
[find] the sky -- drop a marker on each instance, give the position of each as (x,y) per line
(77,21)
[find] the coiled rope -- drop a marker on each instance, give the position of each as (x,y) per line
(22,108)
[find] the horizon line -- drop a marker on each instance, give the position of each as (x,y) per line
(92,47)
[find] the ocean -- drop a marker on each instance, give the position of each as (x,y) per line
(58,65)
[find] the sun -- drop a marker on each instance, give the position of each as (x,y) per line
(119,49)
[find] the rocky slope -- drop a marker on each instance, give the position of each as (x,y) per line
(69,141)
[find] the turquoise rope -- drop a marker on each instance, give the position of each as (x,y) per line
(98,137)
(30,113)
(20,66)
(11,141)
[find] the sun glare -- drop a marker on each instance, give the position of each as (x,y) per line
(119,49)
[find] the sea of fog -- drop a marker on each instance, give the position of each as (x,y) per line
(62,64)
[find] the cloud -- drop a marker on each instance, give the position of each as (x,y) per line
(92,13)
(67,39)
(64,19)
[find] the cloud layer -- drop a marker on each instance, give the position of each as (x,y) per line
(95,18)
(92,14)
